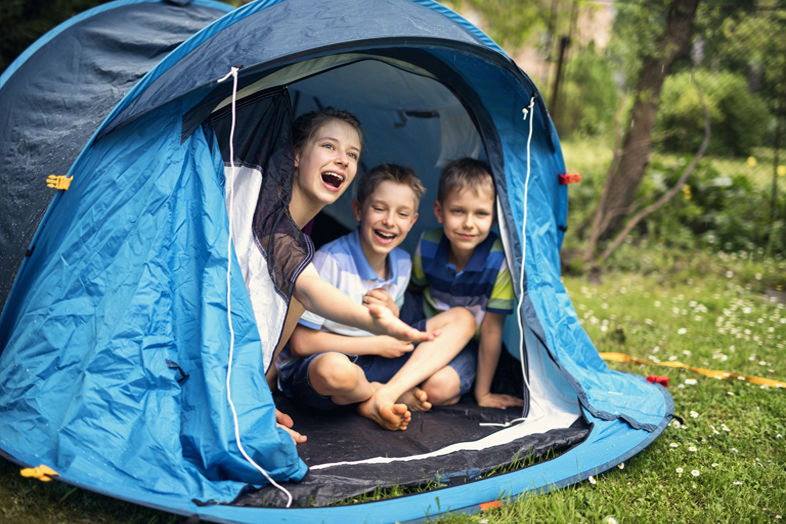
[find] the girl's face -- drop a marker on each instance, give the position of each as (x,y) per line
(325,166)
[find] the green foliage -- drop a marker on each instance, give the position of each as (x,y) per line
(510,23)
(589,95)
(637,25)
(744,39)
(724,207)
(716,210)
(739,120)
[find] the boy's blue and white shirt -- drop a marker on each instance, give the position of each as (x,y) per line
(343,264)
(483,285)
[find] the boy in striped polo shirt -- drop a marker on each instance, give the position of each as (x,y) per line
(463,264)
(328,364)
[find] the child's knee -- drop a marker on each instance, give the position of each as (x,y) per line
(463,318)
(443,387)
(333,372)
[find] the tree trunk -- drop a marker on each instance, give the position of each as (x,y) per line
(626,174)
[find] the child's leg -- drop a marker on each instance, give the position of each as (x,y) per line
(446,386)
(294,313)
(457,327)
(333,375)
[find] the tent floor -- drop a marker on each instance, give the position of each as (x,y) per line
(342,436)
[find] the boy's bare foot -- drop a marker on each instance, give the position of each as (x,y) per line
(386,413)
(416,400)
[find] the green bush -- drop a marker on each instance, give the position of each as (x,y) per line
(588,98)
(739,120)
(722,211)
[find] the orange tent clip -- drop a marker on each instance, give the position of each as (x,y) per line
(43,473)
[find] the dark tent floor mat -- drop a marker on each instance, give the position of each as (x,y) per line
(347,438)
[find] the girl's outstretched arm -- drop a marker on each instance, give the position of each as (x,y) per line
(329,302)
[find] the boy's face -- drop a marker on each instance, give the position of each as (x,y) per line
(385,218)
(466,215)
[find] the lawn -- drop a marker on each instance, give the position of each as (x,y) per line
(723,463)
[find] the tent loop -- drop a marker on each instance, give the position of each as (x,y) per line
(525,111)
(233,74)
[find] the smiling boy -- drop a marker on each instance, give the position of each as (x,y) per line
(463,264)
(329,364)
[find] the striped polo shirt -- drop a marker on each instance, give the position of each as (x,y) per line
(483,285)
(343,264)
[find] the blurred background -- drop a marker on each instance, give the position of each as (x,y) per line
(672,111)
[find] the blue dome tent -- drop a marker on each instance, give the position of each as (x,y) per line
(118,366)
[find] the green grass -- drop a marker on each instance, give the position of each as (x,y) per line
(717,311)
(706,310)
(24,500)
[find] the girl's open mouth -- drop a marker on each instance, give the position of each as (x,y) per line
(332,179)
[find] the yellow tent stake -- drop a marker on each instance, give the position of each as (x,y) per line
(622,357)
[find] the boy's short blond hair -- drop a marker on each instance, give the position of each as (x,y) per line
(394,173)
(464,173)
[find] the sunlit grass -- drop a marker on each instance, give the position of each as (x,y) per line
(724,463)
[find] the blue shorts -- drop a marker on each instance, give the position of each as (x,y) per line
(293,380)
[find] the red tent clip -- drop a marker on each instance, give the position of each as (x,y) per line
(569,178)
(658,379)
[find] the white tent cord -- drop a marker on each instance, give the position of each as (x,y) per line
(233,73)
(527,111)
(502,424)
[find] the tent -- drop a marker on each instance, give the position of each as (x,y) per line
(134,341)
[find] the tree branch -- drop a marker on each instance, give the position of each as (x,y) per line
(668,195)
